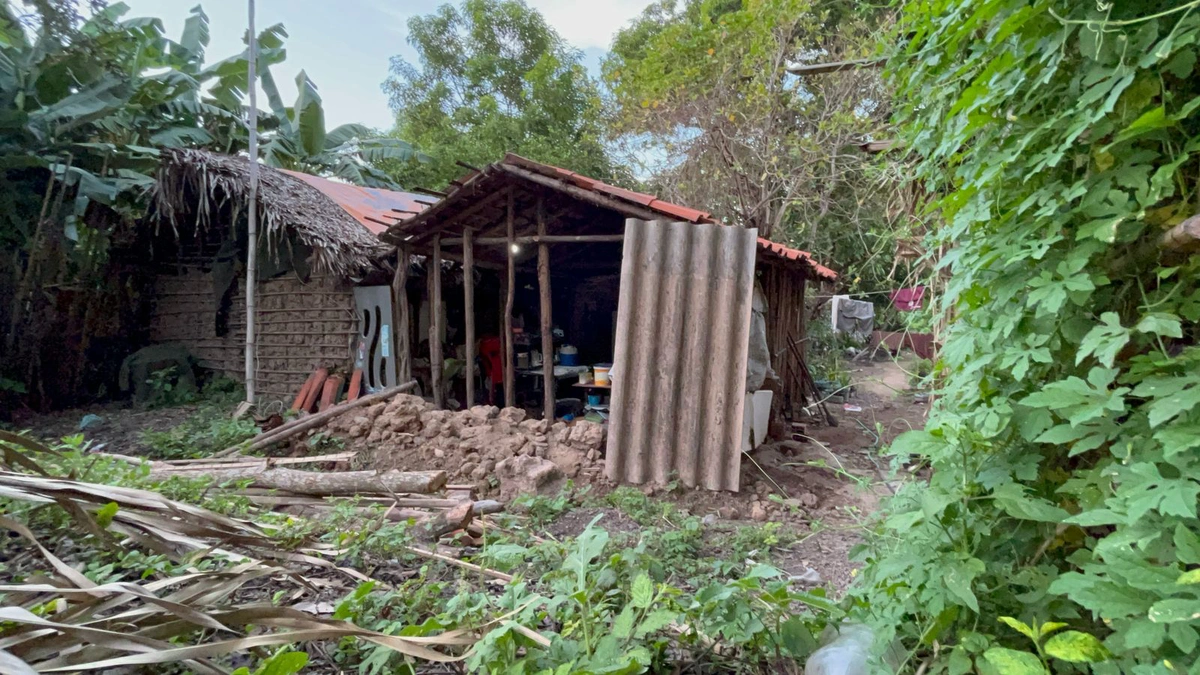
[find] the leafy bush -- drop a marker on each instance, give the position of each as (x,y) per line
(1059,527)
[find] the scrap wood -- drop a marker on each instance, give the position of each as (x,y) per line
(442,522)
(501,576)
(303,424)
(318,483)
(208,464)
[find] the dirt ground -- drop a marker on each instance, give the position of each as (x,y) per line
(823,488)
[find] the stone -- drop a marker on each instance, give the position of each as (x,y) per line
(489,464)
(479,473)
(512,416)
(593,455)
(648,489)
(808,500)
(729,512)
(758,513)
(482,414)
(467,468)
(809,577)
(526,474)
(709,520)
(471,458)
(439,453)
(537,427)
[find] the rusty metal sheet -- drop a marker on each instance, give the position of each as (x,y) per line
(679,368)
(375,208)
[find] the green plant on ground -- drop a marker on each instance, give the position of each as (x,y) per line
(545,509)
(163,389)
(208,430)
(1059,141)
(642,508)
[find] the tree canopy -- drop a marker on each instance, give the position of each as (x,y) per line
(704,84)
(493,77)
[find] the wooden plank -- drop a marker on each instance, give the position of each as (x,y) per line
(543,239)
(400,319)
(436,320)
(510,395)
(620,206)
(548,381)
(469,311)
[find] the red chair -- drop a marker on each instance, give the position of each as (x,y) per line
(493,364)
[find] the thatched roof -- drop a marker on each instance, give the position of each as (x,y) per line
(340,244)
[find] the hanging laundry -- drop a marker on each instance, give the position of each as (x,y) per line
(856,317)
(908,299)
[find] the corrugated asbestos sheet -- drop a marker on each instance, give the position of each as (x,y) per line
(679,368)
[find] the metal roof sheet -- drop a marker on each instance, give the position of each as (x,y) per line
(375,208)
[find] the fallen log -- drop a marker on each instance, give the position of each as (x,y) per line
(338,483)
(303,424)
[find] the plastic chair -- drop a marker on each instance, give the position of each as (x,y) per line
(493,364)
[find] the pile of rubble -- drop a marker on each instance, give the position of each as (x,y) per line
(496,451)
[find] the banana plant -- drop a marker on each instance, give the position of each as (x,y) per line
(350,152)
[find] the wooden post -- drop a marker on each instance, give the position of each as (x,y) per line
(251,216)
(469,310)
(400,320)
(435,320)
(548,382)
(510,394)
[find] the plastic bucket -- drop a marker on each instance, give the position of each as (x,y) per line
(601,373)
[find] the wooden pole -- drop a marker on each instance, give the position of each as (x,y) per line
(252,215)
(548,382)
(469,310)
(400,316)
(435,320)
(510,396)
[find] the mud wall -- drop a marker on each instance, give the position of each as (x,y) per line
(301,326)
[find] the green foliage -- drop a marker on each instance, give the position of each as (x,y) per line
(1060,140)
(283,662)
(493,77)
(210,429)
(702,87)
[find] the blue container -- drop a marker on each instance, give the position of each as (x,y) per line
(568,359)
(595,399)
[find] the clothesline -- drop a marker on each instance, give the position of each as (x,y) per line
(849,295)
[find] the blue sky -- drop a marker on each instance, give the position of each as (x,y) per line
(344,45)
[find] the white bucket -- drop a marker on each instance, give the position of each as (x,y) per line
(601,374)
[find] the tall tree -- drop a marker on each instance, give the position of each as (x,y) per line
(705,85)
(493,77)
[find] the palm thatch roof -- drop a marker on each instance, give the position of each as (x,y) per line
(200,185)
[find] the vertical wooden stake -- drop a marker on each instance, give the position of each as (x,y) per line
(400,344)
(469,309)
(510,394)
(435,320)
(252,215)
(548,382)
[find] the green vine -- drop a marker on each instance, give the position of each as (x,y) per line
(1059,140)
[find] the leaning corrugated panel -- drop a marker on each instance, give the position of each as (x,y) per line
(683,324)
